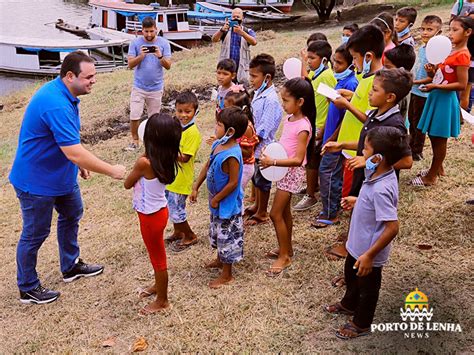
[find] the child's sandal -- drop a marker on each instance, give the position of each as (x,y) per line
(351,331)
(337,308)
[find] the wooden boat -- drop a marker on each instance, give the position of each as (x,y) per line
(255,5)
(126,16)
(64,26)
(250,16)
(40,56)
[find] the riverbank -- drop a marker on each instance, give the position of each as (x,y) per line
(255,313)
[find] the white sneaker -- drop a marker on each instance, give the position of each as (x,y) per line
(305,203)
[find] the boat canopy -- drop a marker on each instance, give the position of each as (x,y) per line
(209,15)
(140,15)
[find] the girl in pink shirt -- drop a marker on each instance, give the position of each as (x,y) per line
(298,140)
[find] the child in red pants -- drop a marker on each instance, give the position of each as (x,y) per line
(149,177)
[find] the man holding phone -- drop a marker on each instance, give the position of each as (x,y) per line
(236,44)
(148,54)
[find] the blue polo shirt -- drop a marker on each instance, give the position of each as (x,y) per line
(51,121)
(149,73)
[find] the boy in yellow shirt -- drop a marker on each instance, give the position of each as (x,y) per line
(318,57)
(177,192)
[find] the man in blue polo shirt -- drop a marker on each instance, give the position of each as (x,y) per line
(44,175)
(148,55)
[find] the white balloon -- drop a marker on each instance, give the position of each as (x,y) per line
(275,173)
(292,68)
(141,129)
(438,49)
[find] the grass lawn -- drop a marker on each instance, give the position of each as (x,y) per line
(255,313)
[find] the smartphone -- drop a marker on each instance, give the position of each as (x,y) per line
(233,23)
(151,49)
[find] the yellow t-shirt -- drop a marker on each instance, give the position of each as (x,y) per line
(351,126)
(322,103)
(189,145)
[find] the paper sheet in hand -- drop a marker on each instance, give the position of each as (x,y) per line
(328,91)
(467,116)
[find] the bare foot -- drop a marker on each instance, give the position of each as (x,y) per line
(146,292)
(154,307)
(215,264)
(221,281)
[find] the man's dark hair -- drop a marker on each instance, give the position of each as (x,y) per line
(187,97)
(397,81)
(265,64)
(227,65)
(72,63)
(317,36)
(148,22)
(342,50)
(367,39)
(409,13)
(433,19)
(234,117)
(391,142)
(321,48)
(402,56)
(351,27)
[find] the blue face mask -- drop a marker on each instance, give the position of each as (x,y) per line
(404,32)
(262,87)
(346,73)
(318,71)
(225,138)
(344,39)
(370,165)
(366,66)
(190,123)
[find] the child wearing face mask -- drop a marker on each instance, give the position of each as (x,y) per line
(374,224)
(178,191)
(404,20)
(318,56)
(347,32)
(267,114)
(366,47)
(330,169)
(223,173)
(389,87)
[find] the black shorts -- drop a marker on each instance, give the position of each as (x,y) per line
(259,181)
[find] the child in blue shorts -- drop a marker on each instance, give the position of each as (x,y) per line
(223,172)
(177,192)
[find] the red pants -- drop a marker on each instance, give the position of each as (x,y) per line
(346,179)
(152,227)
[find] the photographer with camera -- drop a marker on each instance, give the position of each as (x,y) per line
(236,45)
(148,54)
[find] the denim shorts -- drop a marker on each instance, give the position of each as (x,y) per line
(259,181)
(177,206)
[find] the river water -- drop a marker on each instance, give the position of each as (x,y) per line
(35,19)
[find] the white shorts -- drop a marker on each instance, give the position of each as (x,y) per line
(139,98)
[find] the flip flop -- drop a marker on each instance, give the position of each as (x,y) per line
(275,271)
(355,331)
(178,247)
(335,252)
(424,172)
(143,293)
(143,312)
(255,221)
(338,281)
(272,254)
(337,308)
(417,182)
(172,238)
(324,223)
